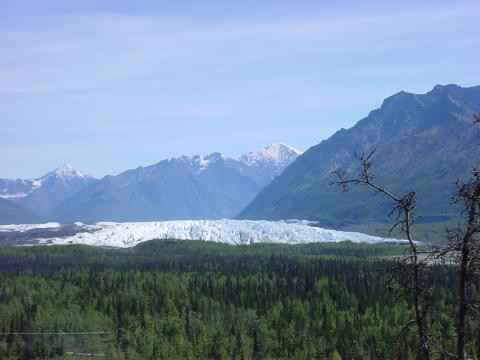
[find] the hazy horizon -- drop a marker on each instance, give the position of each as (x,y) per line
(115,85)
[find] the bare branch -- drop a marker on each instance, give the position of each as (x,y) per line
(409,270)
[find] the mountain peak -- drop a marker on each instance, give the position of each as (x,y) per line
(67,171)
(278,154)
(440,87)
(214,156)
(277,148)
(203,161)
(411,132)
(403,100)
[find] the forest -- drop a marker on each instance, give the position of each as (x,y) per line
(204,300)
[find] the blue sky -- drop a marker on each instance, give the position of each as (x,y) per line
(111,85)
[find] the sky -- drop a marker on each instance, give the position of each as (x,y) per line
(111,85)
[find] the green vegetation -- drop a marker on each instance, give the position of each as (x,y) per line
(201,300)
(434,233)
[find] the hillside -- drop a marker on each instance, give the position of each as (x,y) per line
(14,214)
(424,142)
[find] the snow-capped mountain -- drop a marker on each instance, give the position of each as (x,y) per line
(210,186)
(66,172)
(276,155)
(273,158)
(14,189)
(235,232)
(43,195)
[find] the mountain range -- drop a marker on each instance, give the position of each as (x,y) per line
(41,196)
(423,143)
(198,187)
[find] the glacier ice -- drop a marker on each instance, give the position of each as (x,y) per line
(235,232)
(28,227)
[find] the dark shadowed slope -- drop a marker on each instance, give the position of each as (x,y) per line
(11,213)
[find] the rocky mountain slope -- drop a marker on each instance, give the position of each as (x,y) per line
(424,142)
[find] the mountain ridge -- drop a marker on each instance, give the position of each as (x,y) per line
(423,142)
(42,195)
(67,190)
(209,186)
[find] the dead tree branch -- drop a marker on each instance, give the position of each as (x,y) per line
(410,268)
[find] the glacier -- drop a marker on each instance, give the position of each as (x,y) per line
(235,232)
(28,227)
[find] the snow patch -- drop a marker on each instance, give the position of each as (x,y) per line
(36,184)
(202,161)
(29,185)
(15,196)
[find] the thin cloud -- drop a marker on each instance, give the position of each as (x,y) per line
(199,83)
(74,49)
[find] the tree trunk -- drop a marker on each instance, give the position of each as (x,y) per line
(464,262)
(462,302)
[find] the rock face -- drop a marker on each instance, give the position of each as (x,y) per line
(424,143)
(199,187)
